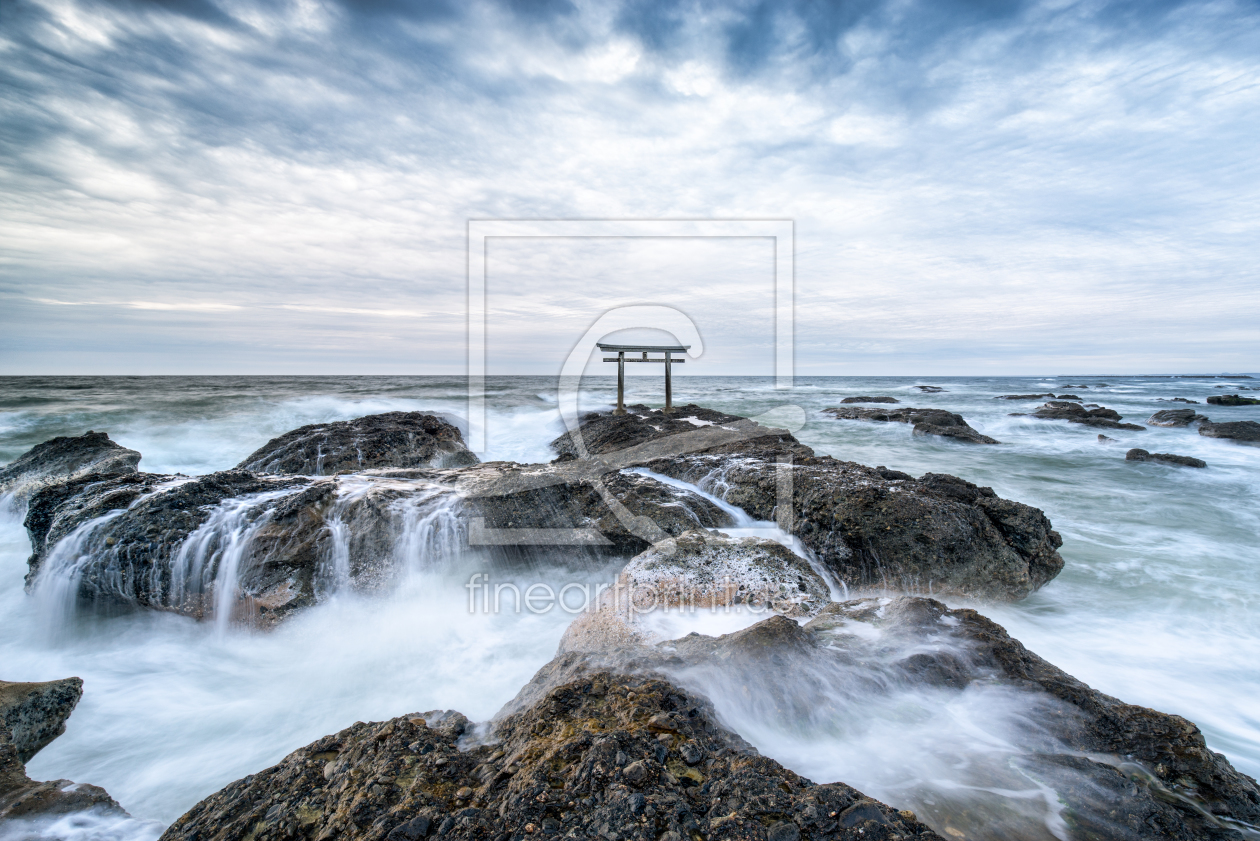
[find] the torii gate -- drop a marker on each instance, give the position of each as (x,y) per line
(621,360)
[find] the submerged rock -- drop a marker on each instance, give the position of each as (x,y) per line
(870,400)
(62,459)
(1137,454)
(867,527)
(930,389)
(1232,400)
(1247,432)
(393,439)
(1175,417)
(1176,400)
(925,421)
(605,755)
(1098,416)
(1022,396)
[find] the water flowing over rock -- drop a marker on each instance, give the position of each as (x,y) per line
(62,459)
(606,755)
(930,389)
(925,421)
(1175,417)
(1137,454)
(870,400)
(937,534)
(1097,416)
(390,440)
(1022,396)
(31,716)
(1247,432)
(1233,400)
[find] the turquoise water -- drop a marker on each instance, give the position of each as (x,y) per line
(1157,604)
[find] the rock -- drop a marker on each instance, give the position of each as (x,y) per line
(1176,400)
(868,530)
(1103,439)
(1232,400)
(930,389)
(1175,417)
(603,755)
(61,459)
(36,713)
(1022,396)
(698,570)
(393,439)
(1167,458)
(1068,397)
(1098,416)
(925,421)
(1244,431)
(31,716)
(870,400)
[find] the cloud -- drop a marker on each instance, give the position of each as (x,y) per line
(974,183)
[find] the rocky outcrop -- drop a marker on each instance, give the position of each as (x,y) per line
(1022,396)
(1097,416)
(31,716)
(930,389)
(62,459)
(864,399)
(390,440)
(1137,454)
(1232,400)
(1176,400)
(868,527)
(607,754)
(1175,417)
(925,422)
(1247,432)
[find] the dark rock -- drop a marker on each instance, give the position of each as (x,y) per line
(1176,400)
(1068,397)
(870,400)
(1097,416)
(393,439)
(61,459)
(1175,417)
(1232,400)
(36,713)
(1022,396)
(598,756)
(885,473)
(1244,431)
(1103,439)
(925,421)
(1137,454)
(930,389)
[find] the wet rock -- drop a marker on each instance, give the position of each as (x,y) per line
(870,400)
(925,421)
(1022,396)
(62,459)
(393,439)
(1176,400)
(1103,439)
(1175,417)
(554,771)
(1137,454)
(930,389)
(865,528)
(1097,416)
(36,713)
(1247,432)
(1233,400)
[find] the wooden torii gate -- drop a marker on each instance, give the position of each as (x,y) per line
(621,360)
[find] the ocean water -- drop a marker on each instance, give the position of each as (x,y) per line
(1157,605)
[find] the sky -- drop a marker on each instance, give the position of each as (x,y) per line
(285,186)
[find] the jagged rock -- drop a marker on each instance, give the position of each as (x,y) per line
(1137,454)
(605,755)
(925,421)
(698,570)
(390,440)
(1232,400)
(31,716)
(1022,396)
(1175,417)
(61,459)
(1244,431)
(870,400)
(940,532)
(35,713)
(1103,439)
(1097,416)
(930,389)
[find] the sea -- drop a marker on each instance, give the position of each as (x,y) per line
(1158,604)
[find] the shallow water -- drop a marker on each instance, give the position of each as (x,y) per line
(1156,605)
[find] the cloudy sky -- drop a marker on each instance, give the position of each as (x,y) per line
(284,186)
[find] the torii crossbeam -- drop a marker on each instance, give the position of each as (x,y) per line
(621,360)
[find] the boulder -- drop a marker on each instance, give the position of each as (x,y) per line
(869,528)
(1022,396)
(605,755)
(1176,400)
(930,389)
(1175,417)
(925,421)
(393,439)
(61,459)
(870,400)
(1096,416)
(1137,454)
(1232,400)
(1247,432)
(35,713)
